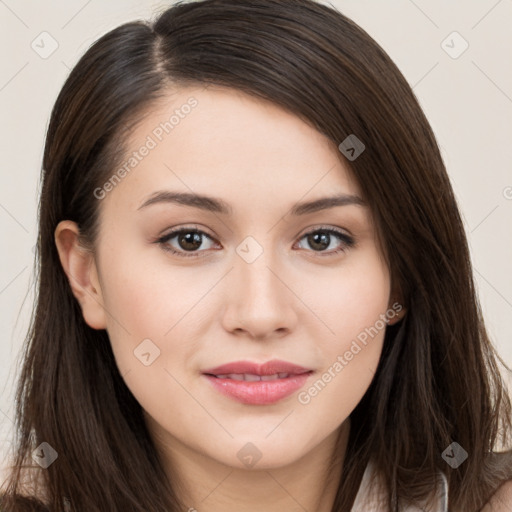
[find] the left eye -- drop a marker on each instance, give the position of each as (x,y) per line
(322,238)
(191,239)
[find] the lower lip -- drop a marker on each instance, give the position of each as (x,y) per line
(259,392)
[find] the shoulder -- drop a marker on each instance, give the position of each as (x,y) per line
(501,501)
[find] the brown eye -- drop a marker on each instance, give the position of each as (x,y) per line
(321,239)
(188,240)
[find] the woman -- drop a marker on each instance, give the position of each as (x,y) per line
(255,287)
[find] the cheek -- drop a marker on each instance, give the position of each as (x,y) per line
(349,299)
(337,388)
(158,308)
(151,327)
(150,294)
(355,309)
(142,303)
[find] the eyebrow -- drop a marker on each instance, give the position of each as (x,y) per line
(215,205)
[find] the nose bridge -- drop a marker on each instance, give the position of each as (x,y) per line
(259,301)
(257,276)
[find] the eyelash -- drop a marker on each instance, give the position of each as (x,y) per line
(348,241)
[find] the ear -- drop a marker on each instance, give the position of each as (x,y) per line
(80,268)
(396,304)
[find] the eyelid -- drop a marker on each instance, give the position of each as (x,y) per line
(325,227)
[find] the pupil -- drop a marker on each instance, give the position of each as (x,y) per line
(194,239)
(320,240)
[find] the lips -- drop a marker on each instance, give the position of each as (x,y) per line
(257,384)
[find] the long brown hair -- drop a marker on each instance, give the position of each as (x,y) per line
(438,380)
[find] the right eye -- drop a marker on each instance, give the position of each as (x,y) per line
(189,240)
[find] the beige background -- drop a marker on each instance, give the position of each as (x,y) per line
(467,99)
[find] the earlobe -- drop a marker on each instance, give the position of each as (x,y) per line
(396,306)
(80,268)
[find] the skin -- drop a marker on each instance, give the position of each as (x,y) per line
(294,302)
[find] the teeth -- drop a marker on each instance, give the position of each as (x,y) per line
(250,377)
(236,376)
(271,377)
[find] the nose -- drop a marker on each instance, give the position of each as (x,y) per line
(260,301)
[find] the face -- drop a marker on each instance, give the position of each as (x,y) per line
(249,276)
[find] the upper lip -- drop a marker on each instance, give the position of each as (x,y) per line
(269,368)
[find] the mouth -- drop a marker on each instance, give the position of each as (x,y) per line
(251,377)
(257,384)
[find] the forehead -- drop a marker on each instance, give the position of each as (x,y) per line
(198,139)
